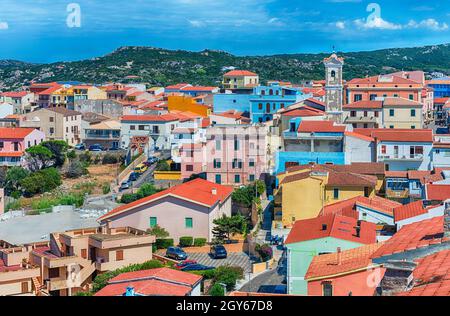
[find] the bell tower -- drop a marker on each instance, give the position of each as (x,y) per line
(334,87)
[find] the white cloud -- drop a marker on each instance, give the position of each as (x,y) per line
(340,25)
(196,23)
(276,21)
(377,23)
(4,26)
(431,24)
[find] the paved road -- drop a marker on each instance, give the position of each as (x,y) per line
(239,259)
(273,281)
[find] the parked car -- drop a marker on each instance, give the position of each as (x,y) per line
(80,147)
(152,160)
(96,147)
(176,253)
(197,267)
(124,186)
(218,252)
(134,176)
(141,168)
(185,263)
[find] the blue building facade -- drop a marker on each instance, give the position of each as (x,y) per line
(224,102)
(441,89)
(303,158)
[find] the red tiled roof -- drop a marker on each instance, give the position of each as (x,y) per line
(304,111)
(431,276)
(374,80)
(159,273)
(409,210)
(363,137)
(348,207)
(13,94)
(401,102)
(413,236)
(149,118)
(11,154)
(199,88)
(145,288)
(351,261)
(177,86)
(398,135)
(320,127)
(441,100)
(240,73)
(365,105)
(370,168)
(15,132)
(336,226)
(438,192)
(350,179)
(197,191)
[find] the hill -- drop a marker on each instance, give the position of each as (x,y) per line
(157,66)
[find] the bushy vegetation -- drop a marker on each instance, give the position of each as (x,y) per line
(199,242)
(164,243)
(162,165)
(76,169)
(109,159)
(217,290)
(40,182)
(186,241)
(249,194)
(158,232)
(145,190)
(226,226)
(265,251)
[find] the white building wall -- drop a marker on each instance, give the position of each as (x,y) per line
(358,150)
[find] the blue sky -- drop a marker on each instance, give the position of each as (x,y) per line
(36,30)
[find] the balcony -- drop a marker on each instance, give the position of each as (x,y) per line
(382,158)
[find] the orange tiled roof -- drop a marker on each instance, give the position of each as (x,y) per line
(365,105)
(15,132)
(149,118)
(352,260)
(431,276)
(240,73)
(413,236)
(304,111)
(197,191)
(438,192)
(320,127)
(409,210)
(348,207)
(397,135)
(150,287)
(336,226)
(375,80)
(14,94)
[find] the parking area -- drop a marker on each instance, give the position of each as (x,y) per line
(239,259)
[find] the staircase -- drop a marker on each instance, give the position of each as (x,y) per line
(38,287)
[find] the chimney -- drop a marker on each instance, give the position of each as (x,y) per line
(2,201)
(214,191)
(339,256)
(447,218)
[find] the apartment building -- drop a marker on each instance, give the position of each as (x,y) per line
(57,124)
(15,141)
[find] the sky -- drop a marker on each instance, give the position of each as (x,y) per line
(56,30)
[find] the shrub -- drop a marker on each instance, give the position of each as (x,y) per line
(75,170)
(85,157)
(158,232)
(199,242)
(206,274)
(228,275)
(106,188)
(41,181)
(162,165)
(71,154)
(186,241)
(164,243)
(109,159)
(217,290)
(265,251)
(97,160)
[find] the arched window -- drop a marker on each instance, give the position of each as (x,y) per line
(333,74)
(260,106)
(271,92)
(263,92)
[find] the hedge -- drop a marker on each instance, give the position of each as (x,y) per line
(199,242)
(186,241)
(164,243)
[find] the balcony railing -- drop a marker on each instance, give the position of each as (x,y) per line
(400,158)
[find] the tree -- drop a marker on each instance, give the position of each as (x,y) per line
(225,227)
(260,187)
(228,275)
(58,148)
(13,178)
(39,157)
(217,290)
(75,170)
(158,232)
(41,181)
(162,165)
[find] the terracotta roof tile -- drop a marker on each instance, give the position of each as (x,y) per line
(320,127)
(409,210)
(239,73)
(335,226)
(398,135)
(438,192)
(15,132)
(350,260)
(198,191)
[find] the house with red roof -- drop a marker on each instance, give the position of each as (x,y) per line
(188,209)
(21,100)
(364,114)
(320,236)
(15,141)
(415,212)
(240,79)
(402,149)
(153,282)
(345,273)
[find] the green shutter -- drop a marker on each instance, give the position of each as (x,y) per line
(153,222)
(189,222)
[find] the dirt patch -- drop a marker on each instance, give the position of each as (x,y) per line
(99,175)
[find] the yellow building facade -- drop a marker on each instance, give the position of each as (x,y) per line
(188,104)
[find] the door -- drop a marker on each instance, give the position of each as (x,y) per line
(25,287)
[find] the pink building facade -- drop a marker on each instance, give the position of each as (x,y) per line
(14,142)
(232,155)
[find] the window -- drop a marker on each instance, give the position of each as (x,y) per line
(141,127)
(119,255)
(16,146)
(218,144)
(51,119)
(365,113)
(217,164)
(327,289)
(353,113)
(413,113)
(270,92)
(411,96)
(391,126)
(357,97)
(395,95)
(52,130)
(218,179)
(251,163)
(236,144)
(413,126)
(190,168)
(188,222)
(376,113)
(391,113)
(251,178)
(132,127)
(153,222)
(333,74)
(366,192)
(237,164)
(84,253)
(237,178)
(260,106)
(336,193)
(373,97)
(2,144)
(155,129)
(383,149)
